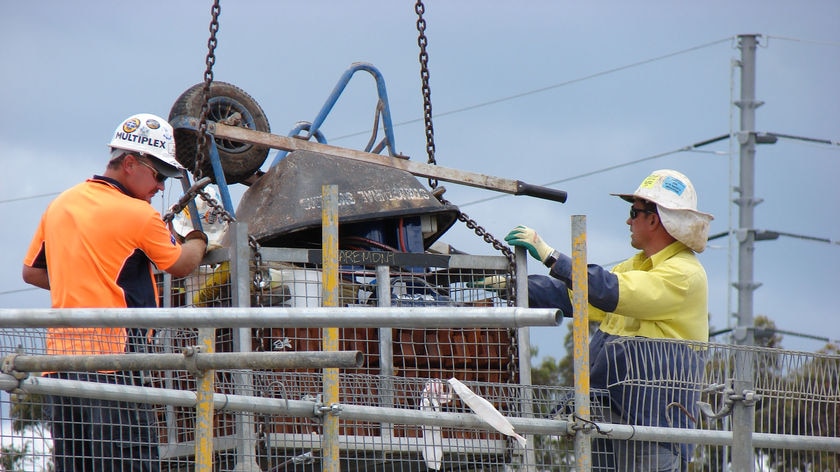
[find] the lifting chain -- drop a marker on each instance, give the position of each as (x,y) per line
(197,189)
(422,41)
(205,93)
(216,208)
(261,276)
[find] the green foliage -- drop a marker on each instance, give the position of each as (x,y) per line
(11,458)
(26,411)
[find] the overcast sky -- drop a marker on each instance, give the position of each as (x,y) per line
(588,97)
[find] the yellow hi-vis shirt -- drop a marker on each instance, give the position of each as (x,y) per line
(98,244)
(663,296)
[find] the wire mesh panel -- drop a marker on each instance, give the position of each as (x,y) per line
(293,443)
(796,393)
(25,438)
(412,280)
(658,383)
(293,278)
(796,398)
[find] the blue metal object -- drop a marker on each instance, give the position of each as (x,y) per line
(314,128)
(195,218)
(191,123)
(311,129)
(216,162)
(300,126)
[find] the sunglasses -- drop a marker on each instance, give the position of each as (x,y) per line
(634,212)
(157,175)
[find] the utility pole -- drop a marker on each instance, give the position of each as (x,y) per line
(743,411)
(746,201)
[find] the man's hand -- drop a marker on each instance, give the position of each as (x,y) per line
(526,237)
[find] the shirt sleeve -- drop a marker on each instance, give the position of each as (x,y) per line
(36,255)
(603,285)
(158,243)
(546,292)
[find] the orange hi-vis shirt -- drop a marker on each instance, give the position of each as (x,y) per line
(98,245)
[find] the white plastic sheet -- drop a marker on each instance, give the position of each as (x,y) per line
(485,410)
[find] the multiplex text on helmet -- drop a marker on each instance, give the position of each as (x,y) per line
(144,140)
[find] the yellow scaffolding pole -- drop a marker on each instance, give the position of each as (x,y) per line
(329,251)
(580,335)
(204,396)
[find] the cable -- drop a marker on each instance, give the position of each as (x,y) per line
(30,197)
(554,86)
(689,148)
(810,41)
(9,292)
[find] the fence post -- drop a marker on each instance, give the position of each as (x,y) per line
(329,253)
(204,396)
(241,284)
(386,351)
(524,340)
(743,413)
(580,334)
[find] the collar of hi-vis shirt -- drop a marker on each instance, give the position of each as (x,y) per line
(101,179)
(640,262)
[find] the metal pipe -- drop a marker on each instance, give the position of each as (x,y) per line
(240,274)
(580,334)
(204,406)
(329,248)
(307,409)
(386,351)
(190,360)
(472,179)
(743,414)
(267,317)
(524,339)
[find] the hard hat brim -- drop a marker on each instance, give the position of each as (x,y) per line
(627,197)
(166,169)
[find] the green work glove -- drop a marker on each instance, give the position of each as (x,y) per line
(526,237)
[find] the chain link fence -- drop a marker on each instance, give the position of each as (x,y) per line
(396,410)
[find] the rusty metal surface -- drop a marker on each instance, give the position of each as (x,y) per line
(420,169)
(285,203)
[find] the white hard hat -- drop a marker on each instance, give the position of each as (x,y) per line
(150,135)
(676,202)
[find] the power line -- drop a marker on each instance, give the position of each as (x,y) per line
(797,40)
(554,86)
(9,292)
(689,148)
(30,197)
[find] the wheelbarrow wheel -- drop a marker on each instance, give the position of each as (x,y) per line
(227,104)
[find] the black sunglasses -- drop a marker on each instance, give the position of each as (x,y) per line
(158,176)
(634,212)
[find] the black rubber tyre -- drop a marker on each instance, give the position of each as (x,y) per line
(239,160)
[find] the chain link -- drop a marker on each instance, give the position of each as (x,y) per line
(210,60)
(262,278)
(422,41)
(216,208)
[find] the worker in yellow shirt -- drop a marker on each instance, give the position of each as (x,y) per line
(658,293)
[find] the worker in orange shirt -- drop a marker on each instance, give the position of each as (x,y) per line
(95,247)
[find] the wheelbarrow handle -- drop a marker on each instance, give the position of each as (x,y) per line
(538,191)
